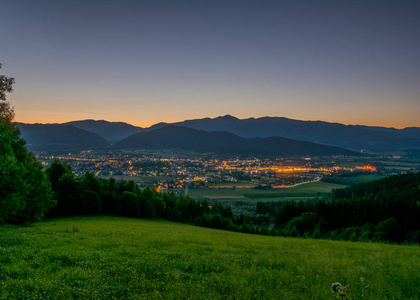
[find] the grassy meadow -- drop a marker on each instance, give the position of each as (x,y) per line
(250,195)
(110,257)
(363,178)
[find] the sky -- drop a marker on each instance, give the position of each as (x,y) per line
(144,62)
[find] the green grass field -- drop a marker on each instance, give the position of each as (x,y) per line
(232,184)
(119,258)
(300,192)
(363,178)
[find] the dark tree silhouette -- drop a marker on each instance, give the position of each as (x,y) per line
(6,86)
(25,191)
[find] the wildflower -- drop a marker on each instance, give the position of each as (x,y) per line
(342,290)
(336,286)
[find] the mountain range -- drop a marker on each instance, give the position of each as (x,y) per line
(111,131)
(355,137)
(222,142)
(59,137)
(91,134)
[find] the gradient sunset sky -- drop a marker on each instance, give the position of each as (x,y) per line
(143,62)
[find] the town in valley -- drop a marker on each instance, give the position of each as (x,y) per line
(212,176)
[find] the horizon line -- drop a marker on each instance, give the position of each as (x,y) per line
(212,118)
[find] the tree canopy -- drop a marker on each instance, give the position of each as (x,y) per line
(25,190)
(6,86)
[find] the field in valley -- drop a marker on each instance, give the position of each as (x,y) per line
(251,196)
(109,257)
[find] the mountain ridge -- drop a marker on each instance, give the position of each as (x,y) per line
(222,142)
(59,137)
(356,137)
(111,131)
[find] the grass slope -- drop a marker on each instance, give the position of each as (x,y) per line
(134,259)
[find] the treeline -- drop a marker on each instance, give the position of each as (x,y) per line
(382,210)
(89,195)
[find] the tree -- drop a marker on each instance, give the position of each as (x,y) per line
(305,222)
(155,199)
(69,196)
(6,86)
(91,190)
(389,230)
(37,190)
(25,191)
(109,197)
(91,182)
(11,174)
(130,205)
(56,170)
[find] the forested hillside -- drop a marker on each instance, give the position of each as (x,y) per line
(382,210)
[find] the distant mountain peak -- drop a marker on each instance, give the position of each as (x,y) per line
(111,131)
(161,124)
(226,117)
(60,137)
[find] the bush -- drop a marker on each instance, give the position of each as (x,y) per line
(413,237)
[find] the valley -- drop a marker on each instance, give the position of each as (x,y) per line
(233,179)
(210,150)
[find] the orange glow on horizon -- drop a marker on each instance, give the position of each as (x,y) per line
(145,123)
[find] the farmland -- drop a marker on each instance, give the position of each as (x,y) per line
(251,196)
(109,257)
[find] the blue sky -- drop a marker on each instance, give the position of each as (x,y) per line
(143,62)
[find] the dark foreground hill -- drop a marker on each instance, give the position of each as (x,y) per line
(184,138)
(59,137)
(386,209)
(347,136)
